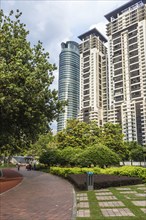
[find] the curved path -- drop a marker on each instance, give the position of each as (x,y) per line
(40,196)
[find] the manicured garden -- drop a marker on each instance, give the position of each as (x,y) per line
(124,195)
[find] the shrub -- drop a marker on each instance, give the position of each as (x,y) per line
(76,170)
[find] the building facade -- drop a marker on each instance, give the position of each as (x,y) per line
(69,75)
(126,31)
(93,77)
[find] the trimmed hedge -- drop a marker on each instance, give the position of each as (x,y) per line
(102,180)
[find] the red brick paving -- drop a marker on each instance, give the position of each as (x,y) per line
(10,179)
(40,196)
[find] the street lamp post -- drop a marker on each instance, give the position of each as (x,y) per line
(144,156)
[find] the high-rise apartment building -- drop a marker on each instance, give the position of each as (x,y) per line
(93,77)
(126,31)
(69,74)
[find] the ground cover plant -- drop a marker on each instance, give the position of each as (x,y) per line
(125,198)
(130,171)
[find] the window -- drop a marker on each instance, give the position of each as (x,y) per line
(132,47)
(86,70)
(117,72)
(120,84)
(86,104)
(117,41)
(86,59)
(133,53)
(117,47)
(117,59)
(117,53)
(133,40)
(86,86)
(134,66)
(134,60)
(86,64)
(136,94)
(118,65)
(135,80)
(135,87)
(86,92)
(118,98)
(86,53)
(86,75)
(118,78)
(134,73)
(86,81)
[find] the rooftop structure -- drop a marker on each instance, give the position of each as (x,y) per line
(122,8)
(95,32)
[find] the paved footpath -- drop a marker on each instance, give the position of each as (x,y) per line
(40,196)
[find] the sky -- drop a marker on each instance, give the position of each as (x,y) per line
(56,21)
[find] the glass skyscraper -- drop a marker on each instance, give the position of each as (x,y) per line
(69,77)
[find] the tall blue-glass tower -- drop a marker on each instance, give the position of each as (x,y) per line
(69,81)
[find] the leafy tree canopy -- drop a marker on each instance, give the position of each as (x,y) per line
(112,137)
(41,145)
(27,104)
(78,134)
(135,151)
(98,154)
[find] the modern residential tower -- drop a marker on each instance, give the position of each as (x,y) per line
(93,77)
(126,31)
(69,64)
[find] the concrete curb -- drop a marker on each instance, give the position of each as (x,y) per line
(74,211)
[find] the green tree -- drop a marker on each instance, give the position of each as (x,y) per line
(69,156)
(112,137)
(98,154)
(78,134)
(49,157)
(41,145)
(135,151)
(27,104)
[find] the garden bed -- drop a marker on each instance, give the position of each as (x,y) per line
(102,180)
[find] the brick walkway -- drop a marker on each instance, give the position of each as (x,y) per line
(40,196)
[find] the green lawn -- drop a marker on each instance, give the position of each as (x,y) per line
(7,165)
(95,210)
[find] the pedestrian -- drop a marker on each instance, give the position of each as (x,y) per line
(30,166)
(34,166)
(18,166)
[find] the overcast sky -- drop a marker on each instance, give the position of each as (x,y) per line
(53,22)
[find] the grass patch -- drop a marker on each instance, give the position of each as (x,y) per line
(7,165)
